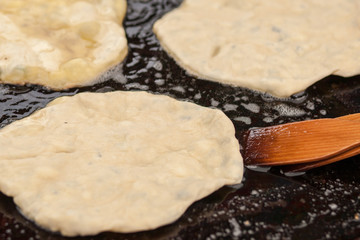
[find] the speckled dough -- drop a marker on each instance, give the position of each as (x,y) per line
(60,44)
(119,161)
(278,46)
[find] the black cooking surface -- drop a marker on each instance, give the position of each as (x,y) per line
(321,204)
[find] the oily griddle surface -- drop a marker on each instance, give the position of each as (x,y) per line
(322,204)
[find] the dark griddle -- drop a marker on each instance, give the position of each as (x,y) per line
(322,204)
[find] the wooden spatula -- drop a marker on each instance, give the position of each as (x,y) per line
(307,144)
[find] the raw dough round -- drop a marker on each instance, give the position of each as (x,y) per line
(60,44)
(280,46)
(118,161)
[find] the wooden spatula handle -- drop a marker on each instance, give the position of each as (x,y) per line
(350,117)
(301,142)
(307,166)
(350,153)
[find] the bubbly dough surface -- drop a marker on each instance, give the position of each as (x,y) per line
(280,46)
(118,161)
(60,44)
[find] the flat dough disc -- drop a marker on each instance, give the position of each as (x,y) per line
(119,161)
(60,44)
(279,46)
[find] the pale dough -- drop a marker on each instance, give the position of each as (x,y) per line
(279,46)
(119,161)
(60,44)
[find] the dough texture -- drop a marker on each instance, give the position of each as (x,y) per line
(280,46)
(118,161)
(60,44)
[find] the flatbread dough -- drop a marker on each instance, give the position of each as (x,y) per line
(280,46)
(60,44)
(119,161)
